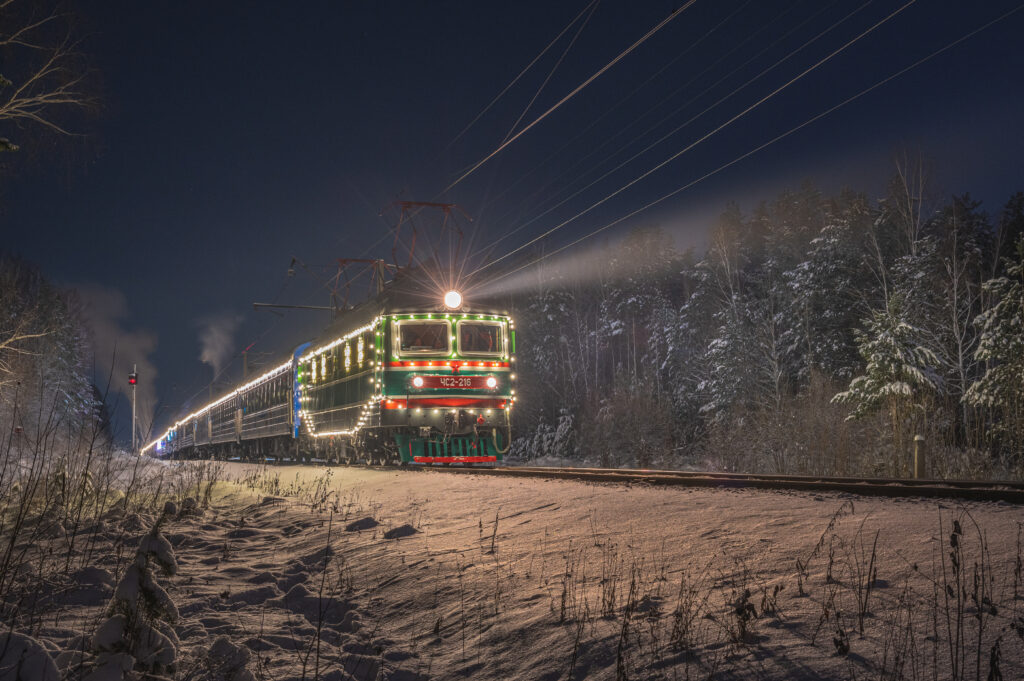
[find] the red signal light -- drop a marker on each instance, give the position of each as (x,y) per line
(132,378)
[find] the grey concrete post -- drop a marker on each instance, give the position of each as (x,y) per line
(920,451)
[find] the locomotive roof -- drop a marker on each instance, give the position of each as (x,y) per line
(411,291)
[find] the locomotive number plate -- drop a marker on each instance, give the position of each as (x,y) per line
(458,382)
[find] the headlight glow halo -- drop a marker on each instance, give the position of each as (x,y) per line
(453,300)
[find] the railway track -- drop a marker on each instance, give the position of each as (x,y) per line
(1008,492)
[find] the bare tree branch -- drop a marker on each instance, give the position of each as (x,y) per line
(43,81)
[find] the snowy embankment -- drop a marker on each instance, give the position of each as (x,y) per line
(352,573)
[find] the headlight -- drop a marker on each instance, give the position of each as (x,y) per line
(492,382)
(417,381)
(453,300)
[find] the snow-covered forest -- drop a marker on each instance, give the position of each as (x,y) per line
(818,334)
(45,355)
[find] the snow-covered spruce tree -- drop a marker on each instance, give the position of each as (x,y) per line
(139,634)
(743,360)
(555,441)
(1001,347)
(899,377)
(825,292)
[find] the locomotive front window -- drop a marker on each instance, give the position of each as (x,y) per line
(479,338)
(423,338)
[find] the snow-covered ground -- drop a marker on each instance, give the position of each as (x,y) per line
(354,573)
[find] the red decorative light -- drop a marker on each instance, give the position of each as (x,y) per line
(463,363)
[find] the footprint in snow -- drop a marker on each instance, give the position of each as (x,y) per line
(263,578)
(361,524)
(243,533)
(400,531)
(301,600)
(255,596)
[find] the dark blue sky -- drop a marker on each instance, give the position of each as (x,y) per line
(234,136)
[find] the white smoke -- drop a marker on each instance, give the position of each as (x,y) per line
(216,337)
(117,351)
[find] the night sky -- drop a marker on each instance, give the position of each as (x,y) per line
(233,136)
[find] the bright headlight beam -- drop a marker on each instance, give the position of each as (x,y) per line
(453,300)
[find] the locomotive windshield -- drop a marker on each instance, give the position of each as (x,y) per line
(479,338)
(423,337)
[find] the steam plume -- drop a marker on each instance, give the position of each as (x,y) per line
(216,337)
(117,350)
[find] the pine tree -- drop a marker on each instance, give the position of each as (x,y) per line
(825,291)
(1001,348)
(899,376)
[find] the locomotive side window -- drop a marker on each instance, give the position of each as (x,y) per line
(479,338)
(423,338)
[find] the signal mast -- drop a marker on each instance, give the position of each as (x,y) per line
(133,378)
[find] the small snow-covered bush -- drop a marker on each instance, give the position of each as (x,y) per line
(22,658)
(227,662)
(138,633)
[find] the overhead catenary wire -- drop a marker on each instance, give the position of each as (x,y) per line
(558,152)
(522,73)
(703,138)
(765,145)
(675,130)
(551,73)
(664,22)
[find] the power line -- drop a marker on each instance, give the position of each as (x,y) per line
(770,142)
(672,132)
(557,153)
(552,72)
(521,74)
(572,94)
(700,140)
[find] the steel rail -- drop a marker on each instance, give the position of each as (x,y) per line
(986,490)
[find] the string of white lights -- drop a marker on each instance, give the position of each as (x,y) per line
(202,410)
